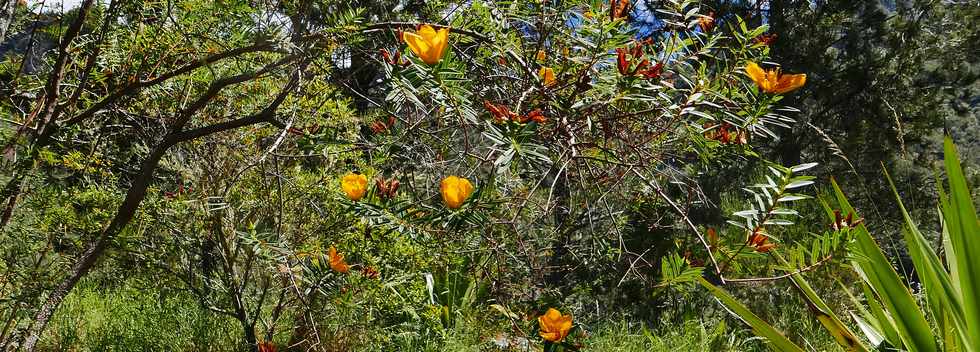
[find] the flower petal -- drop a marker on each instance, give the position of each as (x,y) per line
(756,73)
(550,336)
(553,314)
(547,75)
(427,32)
(789,83)
(417,44)
(439,43)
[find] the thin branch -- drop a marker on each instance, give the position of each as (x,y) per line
(779,277)
(399,25)
(687,220)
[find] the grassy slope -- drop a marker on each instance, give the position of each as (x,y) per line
(138,319)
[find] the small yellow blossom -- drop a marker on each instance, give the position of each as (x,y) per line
(554,326)
(547,75)
(455,190)
(428,44)
(355,185)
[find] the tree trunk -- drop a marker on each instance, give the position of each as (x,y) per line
(7,10)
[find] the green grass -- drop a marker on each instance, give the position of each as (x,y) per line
(692,335)
(130,319)
(127,318)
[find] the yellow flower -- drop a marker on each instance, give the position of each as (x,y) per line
(355,185)
(428,44)
(774,81)
(541,55)
(547,75)
(337,262)
(554,326)
(455,190)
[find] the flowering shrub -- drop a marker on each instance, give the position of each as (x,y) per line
(359,172)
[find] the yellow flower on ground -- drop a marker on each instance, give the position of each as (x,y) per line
(355,185)
(428,44)
(337,262)
(455,190)
(774,81)
(547,75)
(554,326)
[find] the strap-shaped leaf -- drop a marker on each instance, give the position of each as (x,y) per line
(963,229)
(844,336)
(880,318)
(909,321)
(940,293)
(775,339)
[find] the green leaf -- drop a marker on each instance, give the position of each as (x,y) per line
(869,331)
(940,293)
(877,270)
(865,320)
(841,333)
(775,339)
(963,229)
(879,318)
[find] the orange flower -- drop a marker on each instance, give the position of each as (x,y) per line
(726,134)
(712,239)
(337,262)
(643,67)
(500,113)
(765,247)
(652,72)
(428,44)
(619,9)
(554,326)
(707,22)
(266,346)
(765,39)
(759,241)
(395,59)
(842,222)
(387,189)
(622,64)
(370,272)
(455,190)
(355,185)
(536,116)
(774,81)
(378,127)
(547,75)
